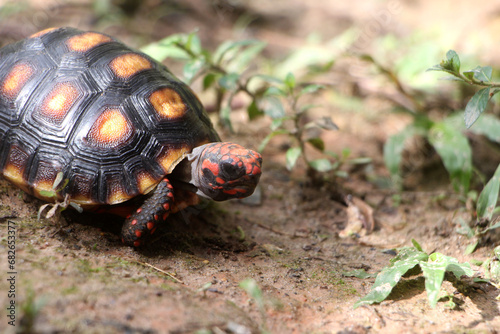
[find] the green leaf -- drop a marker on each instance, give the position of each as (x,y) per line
(480,73)
(292,154)
(48,193)
(393,149)
(192,68)
(346,152)
(416,245)
(241,60)
(76,206)
(465,229)
(232,47)
(252,289)
(387,279)
(476,106)
(193,43)
(270,136)
(471,247)
(276,123)
(229,81)
(321,68)
(290,81)
(437,67)
(455,152)
(468,74)
(317,143)
(360,161)
(57,181)
(274,91)
(309,89)
(253,111)
(434,271)
(453,62)
(488,198)
(488,126)
(209,80)
(272,107)
(321,165)
(496,251)
(358,273)
(166,48)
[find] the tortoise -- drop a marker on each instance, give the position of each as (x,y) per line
(116,124)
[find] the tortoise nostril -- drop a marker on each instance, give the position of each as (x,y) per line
(231,170)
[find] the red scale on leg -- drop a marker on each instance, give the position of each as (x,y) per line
(141,224)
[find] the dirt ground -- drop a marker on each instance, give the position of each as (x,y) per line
(75,276)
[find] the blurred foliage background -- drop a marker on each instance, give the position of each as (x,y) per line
(370,56)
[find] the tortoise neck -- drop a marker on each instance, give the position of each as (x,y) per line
(190,169)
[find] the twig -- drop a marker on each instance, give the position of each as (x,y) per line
(160,270)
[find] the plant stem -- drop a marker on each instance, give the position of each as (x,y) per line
(299,130)
(474,81)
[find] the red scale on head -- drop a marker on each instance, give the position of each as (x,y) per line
(211,166)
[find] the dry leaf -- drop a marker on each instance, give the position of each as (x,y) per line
(359,218)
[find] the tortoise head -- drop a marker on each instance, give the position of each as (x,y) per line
(224,171)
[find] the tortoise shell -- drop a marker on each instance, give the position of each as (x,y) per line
(111,119)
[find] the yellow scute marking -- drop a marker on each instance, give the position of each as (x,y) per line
(87,41)
(116,193)
(82,200)
(172,157)
(59,101)
(145,182)
(128,64)
(43,32)
(16,79)
(15,165)
(167,103)
(118,197)
(110,129)
(14,174)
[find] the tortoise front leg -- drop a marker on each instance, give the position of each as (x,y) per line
(139,227)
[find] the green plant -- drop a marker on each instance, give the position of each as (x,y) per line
(447,135)
(226,70)
(448,140)
(479,76)
(57,186)
(486,207)
(492,269)
(30,309)
(253,290)
(432,266)
(223,70)
(486,204)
